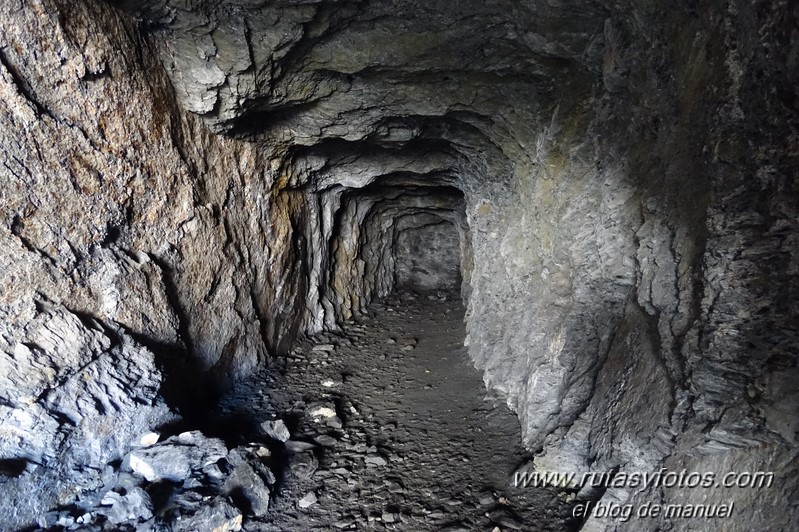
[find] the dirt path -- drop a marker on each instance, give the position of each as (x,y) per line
(414,444)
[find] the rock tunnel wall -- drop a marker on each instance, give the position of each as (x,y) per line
(194,188)
(132,240)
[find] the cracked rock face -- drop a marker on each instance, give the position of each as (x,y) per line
(611,183)
(74,395)
(428,256)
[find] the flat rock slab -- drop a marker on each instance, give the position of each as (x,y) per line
(177,457)
(276,429)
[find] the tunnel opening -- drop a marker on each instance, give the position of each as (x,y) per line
(414,236)
(428,256)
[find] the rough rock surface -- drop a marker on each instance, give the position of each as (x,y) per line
(198,184)
(188,482)
(75,396)
(428,257)
(175,458)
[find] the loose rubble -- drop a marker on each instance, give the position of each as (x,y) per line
(395,444)
(186,482)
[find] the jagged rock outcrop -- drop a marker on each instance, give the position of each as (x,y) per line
(75,396)
(108,218)
(211,181)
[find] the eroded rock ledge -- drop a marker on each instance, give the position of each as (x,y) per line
(196,187)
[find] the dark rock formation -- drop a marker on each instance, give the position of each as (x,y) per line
(196,185)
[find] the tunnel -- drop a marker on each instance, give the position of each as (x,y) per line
(290,265)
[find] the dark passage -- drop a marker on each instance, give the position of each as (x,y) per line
(428,257)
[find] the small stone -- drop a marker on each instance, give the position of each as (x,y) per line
(149,439)
(135,504)
(213,472)
(296,446)
(263,452)
(324,348)
(486,498)
(323,412)
(326,441)
(217,515)
(65,520)
(246,482)
(276,429)
(377,461)
(48,520)
(567,496)
(193,483)
(175,458)
(308,500)
(407,348)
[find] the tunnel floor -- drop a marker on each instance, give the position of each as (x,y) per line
(415,442)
